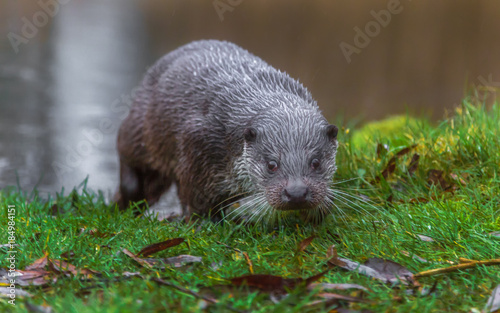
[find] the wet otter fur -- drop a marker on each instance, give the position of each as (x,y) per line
(225,126)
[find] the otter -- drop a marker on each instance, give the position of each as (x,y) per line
(226,127)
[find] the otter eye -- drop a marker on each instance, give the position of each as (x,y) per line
(272,166)
(315,164)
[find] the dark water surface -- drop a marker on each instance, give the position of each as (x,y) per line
(63,94)
(65,91)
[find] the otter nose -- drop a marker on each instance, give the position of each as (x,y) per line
(296,191)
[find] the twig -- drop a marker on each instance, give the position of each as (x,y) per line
(454,268)
(247,258)
(190,292)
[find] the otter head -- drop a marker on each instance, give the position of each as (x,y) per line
(289,161)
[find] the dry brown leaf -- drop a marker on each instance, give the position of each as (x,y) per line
(38,264)
(331,252)
(304,243)
(160,246)
(27,278)
(63,267)
(137,259)
(405,151)
(435,177)
(412,168)
(271,283)
(390,168)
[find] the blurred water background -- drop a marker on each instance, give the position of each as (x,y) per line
(68,68)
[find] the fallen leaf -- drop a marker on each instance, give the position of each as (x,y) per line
(413,164)
(27,278)
(425,238)
(329,286)
(390,167)
(131,274)
(38,308)
(435,177)
(331,252)
(390,269)
(38,264)
(160,246)
(63,267)
(137,259)
(495,234)
(304,243)
(271,283)
(176,261)
(493,303)
(6,292)
(383,270)
(405,150)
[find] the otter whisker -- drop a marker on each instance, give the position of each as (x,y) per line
(342,213)
(364,201)
(351,204)
(253,204)
(345,181)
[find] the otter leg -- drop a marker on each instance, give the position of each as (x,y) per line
(139,184)
(131,186)
(155,185)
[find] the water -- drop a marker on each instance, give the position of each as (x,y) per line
(66,90)
(64,93)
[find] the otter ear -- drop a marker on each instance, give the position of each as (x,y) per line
(332,131)
(250,134)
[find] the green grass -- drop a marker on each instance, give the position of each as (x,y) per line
(465,147)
